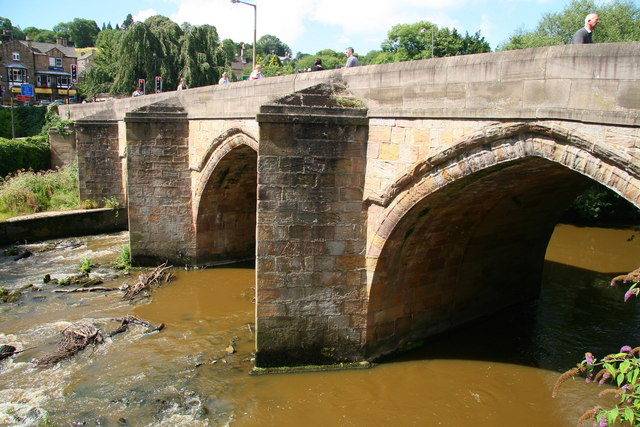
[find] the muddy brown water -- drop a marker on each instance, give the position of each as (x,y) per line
(495,372)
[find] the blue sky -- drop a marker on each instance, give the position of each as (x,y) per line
(305,25)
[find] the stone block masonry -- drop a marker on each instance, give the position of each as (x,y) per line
(310,220)
(159,186)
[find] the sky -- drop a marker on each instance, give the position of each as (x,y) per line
(306,26)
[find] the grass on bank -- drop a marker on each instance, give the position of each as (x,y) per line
(28,192)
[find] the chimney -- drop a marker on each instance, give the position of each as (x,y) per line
(61,41)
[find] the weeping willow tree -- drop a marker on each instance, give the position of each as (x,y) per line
(139,51)
(166,63)
(99,78)
(202,56)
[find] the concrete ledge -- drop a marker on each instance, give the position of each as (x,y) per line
(52,225)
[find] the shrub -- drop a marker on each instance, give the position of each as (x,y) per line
(28,153)
(123,262)
(29,192)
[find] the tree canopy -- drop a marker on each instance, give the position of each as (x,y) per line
(620,22)
(423,40)
(80,32)
(271,45)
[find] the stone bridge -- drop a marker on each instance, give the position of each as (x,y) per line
(382,204)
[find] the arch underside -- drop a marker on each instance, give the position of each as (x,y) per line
(467,249)
(226,210)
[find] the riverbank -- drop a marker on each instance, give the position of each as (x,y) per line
(58,224)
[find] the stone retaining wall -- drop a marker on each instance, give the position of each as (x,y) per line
(53,225)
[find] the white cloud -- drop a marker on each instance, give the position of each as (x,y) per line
(290,19)
(144,14)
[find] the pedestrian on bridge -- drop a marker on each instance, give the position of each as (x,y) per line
(352,61)
(584,34)
(256,73)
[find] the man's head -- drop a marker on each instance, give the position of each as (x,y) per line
(349,51)
(591,21)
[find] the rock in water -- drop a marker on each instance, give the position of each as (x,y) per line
(6,351)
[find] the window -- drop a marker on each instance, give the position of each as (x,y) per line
(15,75)
(16,56)
(55,62)
(64,81)
(44,81)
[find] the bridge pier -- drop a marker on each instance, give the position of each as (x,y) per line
(159,186)
(99,163)
(311,230)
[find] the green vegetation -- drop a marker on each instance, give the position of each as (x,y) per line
(27,121)
(28,192)
(123,262)
(620,23)
(600,206)
(85,267)
(21,154)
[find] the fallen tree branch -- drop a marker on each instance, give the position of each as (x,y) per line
(75,338)
(125,321)
(94,289)
(146,282)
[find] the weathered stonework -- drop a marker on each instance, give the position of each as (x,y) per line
(310,256)
(99,162)
(159,184)
(62,146)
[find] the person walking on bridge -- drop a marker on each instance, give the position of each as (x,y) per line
(584,34)
(352,60)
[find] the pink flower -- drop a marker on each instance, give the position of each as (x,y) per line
(630,293)
(588,357)
(625,349)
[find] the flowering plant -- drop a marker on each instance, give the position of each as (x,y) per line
(622,370)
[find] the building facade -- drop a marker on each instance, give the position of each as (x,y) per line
(45,66)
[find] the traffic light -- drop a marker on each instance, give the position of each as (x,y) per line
(74,73)
(158,84)
(141,86)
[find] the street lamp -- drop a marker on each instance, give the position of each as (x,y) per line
(255,20)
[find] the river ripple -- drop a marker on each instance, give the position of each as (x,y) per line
(495,372)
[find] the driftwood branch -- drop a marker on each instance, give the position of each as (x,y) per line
(94,289)
(147,281)
(125,321)
(75,338)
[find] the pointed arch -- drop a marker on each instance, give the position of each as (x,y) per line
(224,207)
(463,233)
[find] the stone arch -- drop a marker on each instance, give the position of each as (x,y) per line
(463,233)
(225,199)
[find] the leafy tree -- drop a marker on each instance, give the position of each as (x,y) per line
(6,25)
(620,22)
(83,32)
(128,21)
(38,35)
(100,77)
(271,45)
(135,57)
(423,40)
(202,58)
(229,47)
(166,62)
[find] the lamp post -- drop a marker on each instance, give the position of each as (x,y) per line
(255,20)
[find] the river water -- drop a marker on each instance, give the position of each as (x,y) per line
(496,372)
